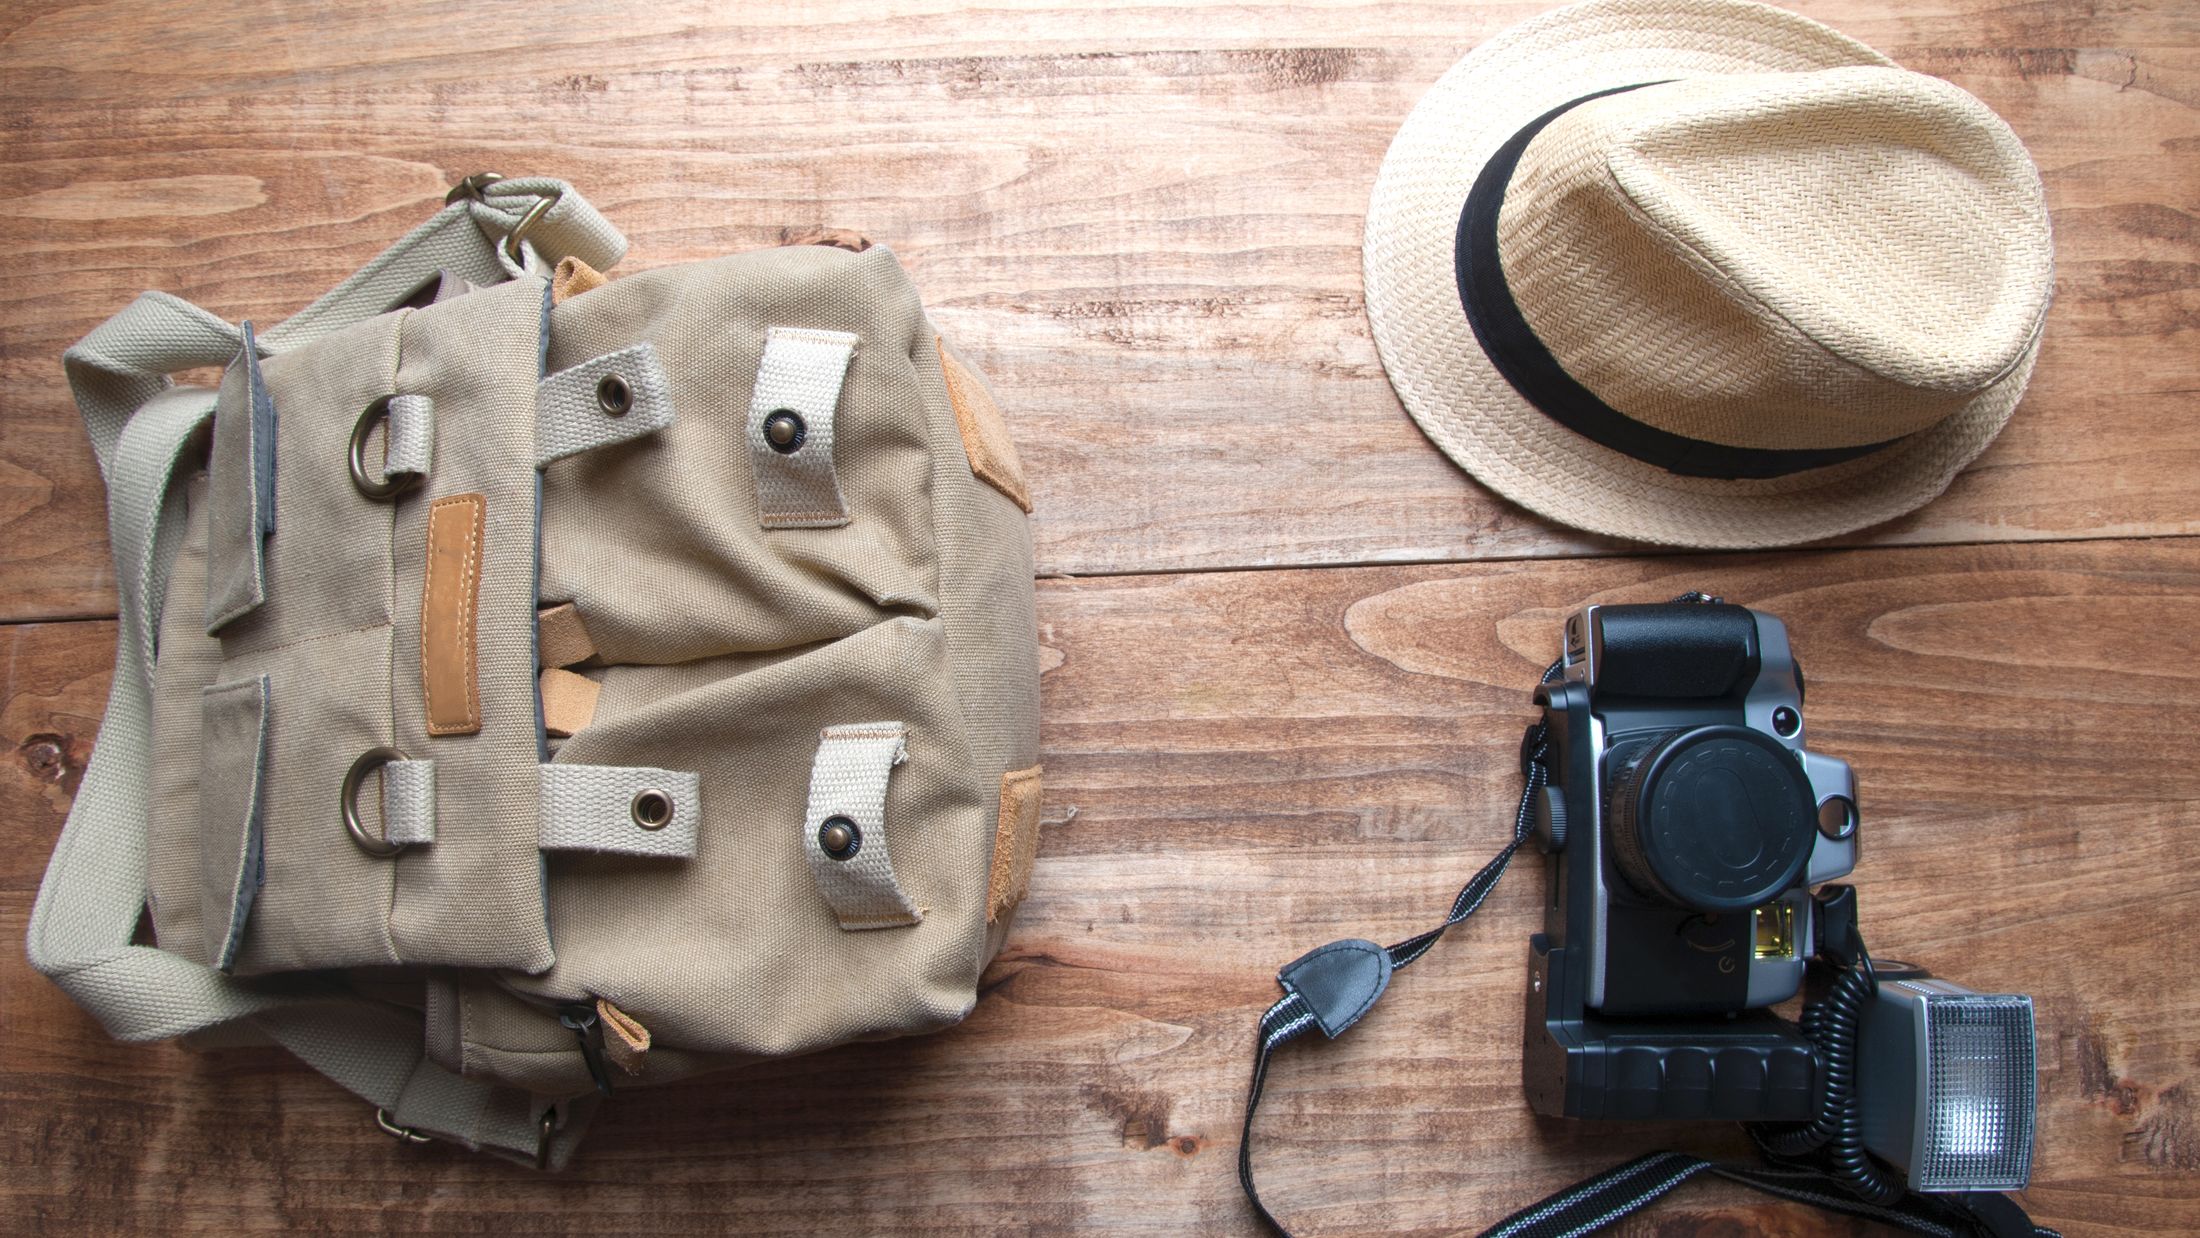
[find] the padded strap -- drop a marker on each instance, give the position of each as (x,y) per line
(377,1052)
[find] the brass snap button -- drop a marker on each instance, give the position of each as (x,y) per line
(784,431)
(651,809)
(839,838)
(369,761)
(386,488)
(613,395)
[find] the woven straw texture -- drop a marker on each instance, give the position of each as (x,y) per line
(1791,245)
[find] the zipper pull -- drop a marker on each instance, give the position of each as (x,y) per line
(580,1018)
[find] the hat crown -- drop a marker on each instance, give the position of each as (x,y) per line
(1781,260)
(1888,215)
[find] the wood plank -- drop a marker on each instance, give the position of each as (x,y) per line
(1261,762)
(1144,224)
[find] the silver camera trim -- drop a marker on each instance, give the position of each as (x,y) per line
(1770,981)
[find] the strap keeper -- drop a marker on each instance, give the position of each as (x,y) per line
(1339,982)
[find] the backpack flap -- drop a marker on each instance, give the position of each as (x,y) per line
(399,764)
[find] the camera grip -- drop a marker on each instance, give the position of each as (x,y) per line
(1676,650)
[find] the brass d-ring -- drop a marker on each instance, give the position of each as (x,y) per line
(533,216)
(402,1134)
(386,488)
(369,761)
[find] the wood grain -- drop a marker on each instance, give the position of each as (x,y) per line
(1261,762)
(1144,223)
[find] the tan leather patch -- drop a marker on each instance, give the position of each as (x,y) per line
(450,676)
(1015,842)
(572,278)
(561,638)
(984,433)
(626,1041)
(568,701)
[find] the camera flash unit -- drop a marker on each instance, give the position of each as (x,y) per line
(1946,1082)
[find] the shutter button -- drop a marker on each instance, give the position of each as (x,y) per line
(839,838)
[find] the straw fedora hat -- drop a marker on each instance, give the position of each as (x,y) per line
(1705,273)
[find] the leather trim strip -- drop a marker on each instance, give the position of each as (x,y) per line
(450,674)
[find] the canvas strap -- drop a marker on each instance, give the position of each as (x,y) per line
(126,360)
(94,889)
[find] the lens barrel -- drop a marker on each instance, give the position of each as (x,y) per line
(1716,818)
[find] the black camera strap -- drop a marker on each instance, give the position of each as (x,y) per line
(1333,986)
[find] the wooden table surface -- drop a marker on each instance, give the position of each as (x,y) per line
(1289,644)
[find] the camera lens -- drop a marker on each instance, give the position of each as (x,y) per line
(1719,818)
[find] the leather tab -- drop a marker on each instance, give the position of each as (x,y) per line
(561,636)
(568,701)
(985,437)
(1015,842)
(572,278)
(450,678)
(1339,981)
(626,1041)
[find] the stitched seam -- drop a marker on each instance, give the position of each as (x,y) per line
(469,600)
(389,626)
(427,608)
(260,651)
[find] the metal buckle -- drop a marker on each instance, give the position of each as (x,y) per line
(369,761)
(475,188)
(543,203)
(471,187)
(403,1134)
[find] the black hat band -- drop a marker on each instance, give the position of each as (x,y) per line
(1512,346)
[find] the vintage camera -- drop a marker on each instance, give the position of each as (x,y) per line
(1687,826)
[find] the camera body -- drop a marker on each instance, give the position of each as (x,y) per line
(1686,826)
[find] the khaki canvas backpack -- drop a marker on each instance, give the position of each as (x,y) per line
(530,685)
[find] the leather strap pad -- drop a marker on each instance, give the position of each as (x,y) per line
(1339,981)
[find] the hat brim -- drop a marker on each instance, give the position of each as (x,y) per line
(1468,409)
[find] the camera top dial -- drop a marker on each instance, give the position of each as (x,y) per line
(1717,818)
